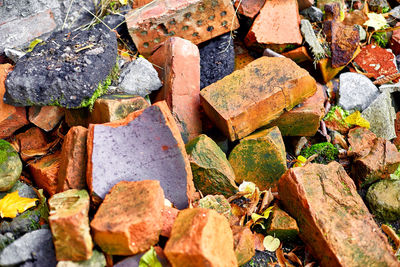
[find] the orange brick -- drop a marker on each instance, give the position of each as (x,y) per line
(249,8)
(46,117)
(30,141)
(45,170)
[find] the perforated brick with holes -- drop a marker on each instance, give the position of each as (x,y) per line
(194,20)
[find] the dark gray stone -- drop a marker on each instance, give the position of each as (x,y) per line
(33,249)
(65,70)
(144,149)
(24,190)
(313,13)
(217,59)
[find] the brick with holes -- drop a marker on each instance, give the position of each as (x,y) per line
(194,20)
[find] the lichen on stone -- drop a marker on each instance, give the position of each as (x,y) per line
(326,152)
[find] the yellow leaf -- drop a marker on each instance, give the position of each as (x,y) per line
(356,119)
(34,43)
(255,217)
(12,204)
(376,21)
(123,2)
(300,161)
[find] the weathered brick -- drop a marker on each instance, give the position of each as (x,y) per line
(303,4)
(298,55)
(201,237)
(69,223)
(46,117)
(194,20)
(129,220)
(256,95)
(249,8)
(277,24)
(30,141)
(72,172)
(244,243)
(260,158)
(394,42)
(146,145)
(169,215)
(305,119)
(282,226)
(332,217)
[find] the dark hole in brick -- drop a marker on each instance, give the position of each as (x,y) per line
(195,34)
(202,8)
(163,28)
(188,15)
(185,28)
(146,44)
(199,22)
(210,28)
(211,17)
(172,22)
(214,3)
(143,32)
(224,23)
(223,13)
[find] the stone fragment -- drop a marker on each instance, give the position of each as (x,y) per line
(249,8)
(378,6)
(303,4)
(332,218)
(313,13)
(383,199)
(396,141)
(212,172)
(30,140)
(34,249)
(115,107)
(298,55)
(194,20)
(69,223)
(201,237)
(182,85)
(139,77)
(326,69)
(45,171)
(97,260)
(277,24)
(303,120)
(260,158)
(376,60)
(11,118)
(216,202)
(282,226)
(255,95)
(156,152)
(382,160)
(169,214)
(217,59)
(40,78)
(311,39)
(394,42)
(244,244)
(356,92)
(129,220)
(361,141)
(10,166)
(72,172)
(46,117)
(381,116)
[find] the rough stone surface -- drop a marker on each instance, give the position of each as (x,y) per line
(194,20)
(139,78)
(72,172)
(282,226)
(313,13)
(129,220)
(356,92)
(46,117)
(332,217)
(244,244)
(32,249)
(217,59)
(311,39)
(381,161)
(69,223)
(169,215)
(218,203)
(64,70)
(182,85)
(278,23)
(383,199)
(97,260)
(212,172)
(249,8)
(303,120)
(10,166)
(361,141)
(146,145)
(260,158)
(381,116)
(201,237)
(11,118)
(238,109)
(45,171)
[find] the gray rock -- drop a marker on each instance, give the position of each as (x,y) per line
(377,5)
(313,13)
(395,12)
(14,54)
(381,116)
(24,190)
(311,39)
(384,199)
(97,260)
(10,166)
(139,78)
(362,32)
(65,70)
(32,249)
(356,92)
(5,240)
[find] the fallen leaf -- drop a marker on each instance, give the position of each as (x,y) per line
(33,44)
(255,217)
(12,204)
(149,259)
(376,21)
(356,119)
(123,2)
(300,161)
(247,187)
(271,243)
(267,199)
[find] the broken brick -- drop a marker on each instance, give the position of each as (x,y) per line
(169,215)
(72,172)
(69,224)
(332,218)
(394,42)
(361,141)
(194,20)
(396,141)
(29,141)
(129,221)
(303,4)
(249,8)
(238,109)
(46,117)
(244,244)
(201,237)
(298,55)
(282,226)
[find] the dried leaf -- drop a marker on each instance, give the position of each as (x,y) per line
(271,243)
(256,217)
(247,187)
(293,257)
(356,119)
(267,199)
(149,259)
(376,21)
(12,204)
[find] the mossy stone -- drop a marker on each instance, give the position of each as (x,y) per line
(10,166)
(384,199)
(282,226)
(326,152)
(212,173)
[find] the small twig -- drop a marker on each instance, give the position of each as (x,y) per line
(66,16)
(83,48)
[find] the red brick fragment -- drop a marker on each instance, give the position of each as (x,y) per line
(169,214)
(30,141)
(46,117)
(249,8)
(395,40)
